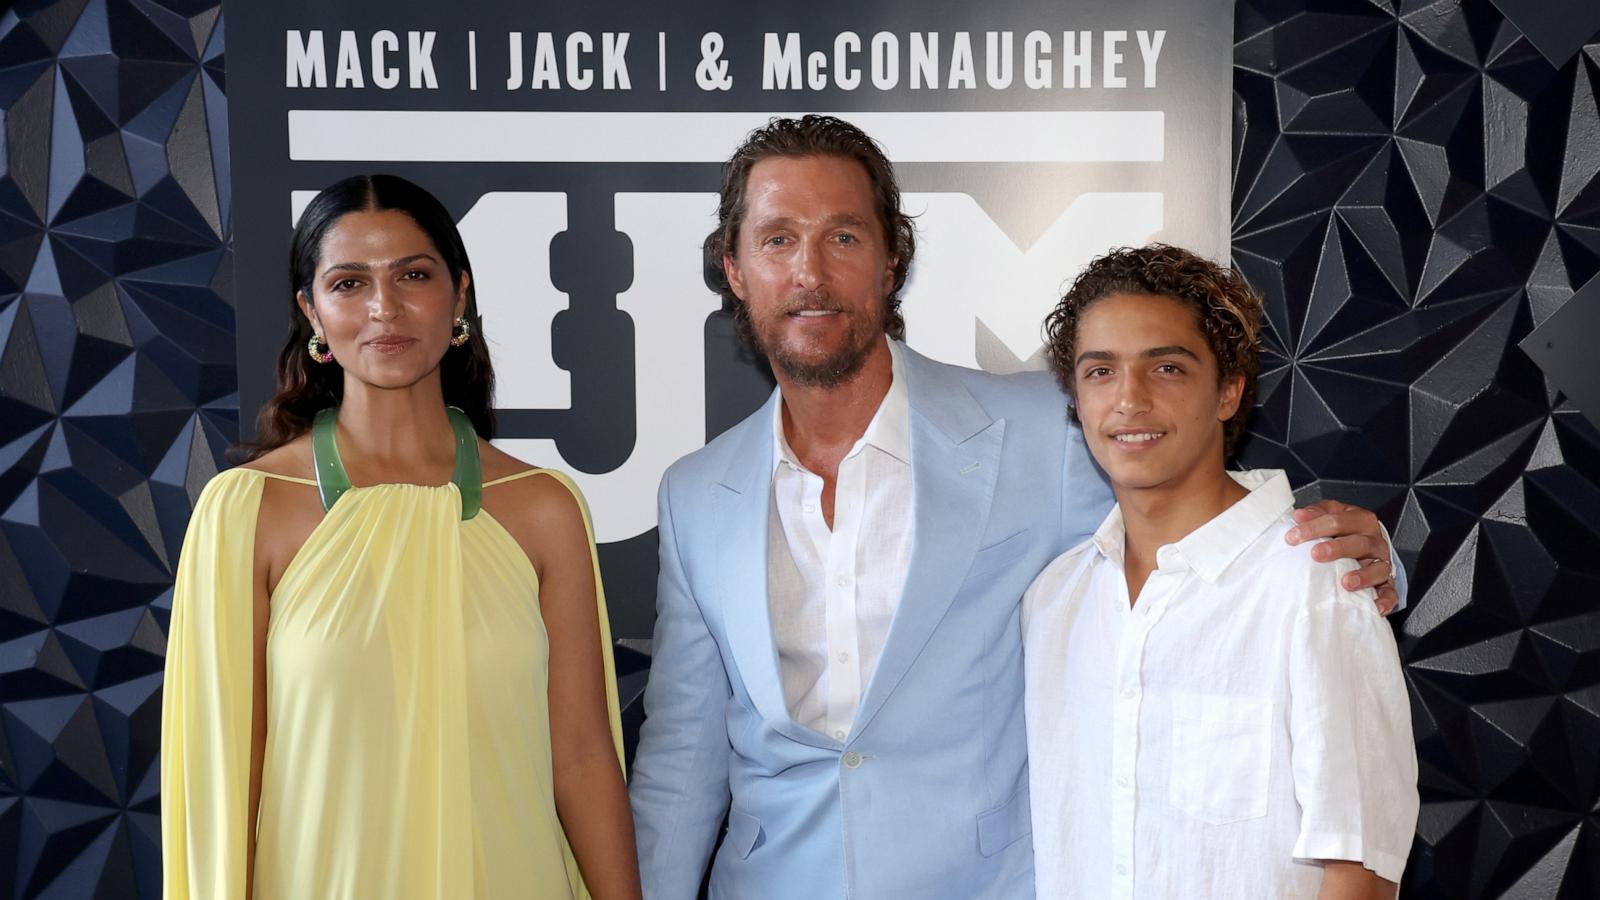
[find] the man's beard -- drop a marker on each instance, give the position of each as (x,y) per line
(831,371)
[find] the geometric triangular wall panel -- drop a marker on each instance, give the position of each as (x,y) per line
(116,366)
(1416,188)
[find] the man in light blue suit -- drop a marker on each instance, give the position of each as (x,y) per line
(837,664)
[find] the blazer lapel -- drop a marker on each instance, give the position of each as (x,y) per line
(742,502)
(955,457)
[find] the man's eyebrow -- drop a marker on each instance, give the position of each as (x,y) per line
(788,221)
(1170,350)
(772,222)
(391,265)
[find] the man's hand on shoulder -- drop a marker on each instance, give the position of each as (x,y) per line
(1352,533)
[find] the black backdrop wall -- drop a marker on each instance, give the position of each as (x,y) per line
(1417,190)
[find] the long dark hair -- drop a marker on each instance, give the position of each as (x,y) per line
(306,387)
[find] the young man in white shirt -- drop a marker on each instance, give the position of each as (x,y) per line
(1209,713)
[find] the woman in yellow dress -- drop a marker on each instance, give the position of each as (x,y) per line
(388,668)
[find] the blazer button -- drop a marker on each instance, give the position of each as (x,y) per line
(852,760)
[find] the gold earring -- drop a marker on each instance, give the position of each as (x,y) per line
(315,347)
(463,332)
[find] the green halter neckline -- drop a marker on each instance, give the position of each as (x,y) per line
(333,480)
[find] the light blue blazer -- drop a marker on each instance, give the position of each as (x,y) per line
(927,797)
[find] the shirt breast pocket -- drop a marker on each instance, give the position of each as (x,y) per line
(1220,757)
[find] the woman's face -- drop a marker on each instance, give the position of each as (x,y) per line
(382,298)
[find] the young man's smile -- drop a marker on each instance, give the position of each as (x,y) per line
(1147,390)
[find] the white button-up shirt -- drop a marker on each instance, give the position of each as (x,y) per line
(832,593)
(1246,717)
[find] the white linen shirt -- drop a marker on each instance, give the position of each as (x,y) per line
(832,594)
(1246,717)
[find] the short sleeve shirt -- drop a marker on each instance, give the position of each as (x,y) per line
(1244,719)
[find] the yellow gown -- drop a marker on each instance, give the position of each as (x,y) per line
(408,729)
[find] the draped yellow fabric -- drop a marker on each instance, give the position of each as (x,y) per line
(408,738)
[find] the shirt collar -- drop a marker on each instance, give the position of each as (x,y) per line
(889,430)
(1112,535)
(1211,548)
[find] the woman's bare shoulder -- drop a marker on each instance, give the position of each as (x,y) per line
(498,464)
(292,460)
(522,496)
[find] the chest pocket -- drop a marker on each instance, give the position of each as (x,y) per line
(1000,556)
(1220,757)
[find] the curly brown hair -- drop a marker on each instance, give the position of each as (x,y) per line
(810,135)
(1228,310)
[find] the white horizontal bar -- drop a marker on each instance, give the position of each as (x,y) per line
(693,137)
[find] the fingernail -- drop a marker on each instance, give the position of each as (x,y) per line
(1294,535)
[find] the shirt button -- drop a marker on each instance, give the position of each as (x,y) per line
(1130,692)
(839,734)
(852,760)
(842,580)
(1122,781)
(843,656)
(809,508)
(1122,870)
